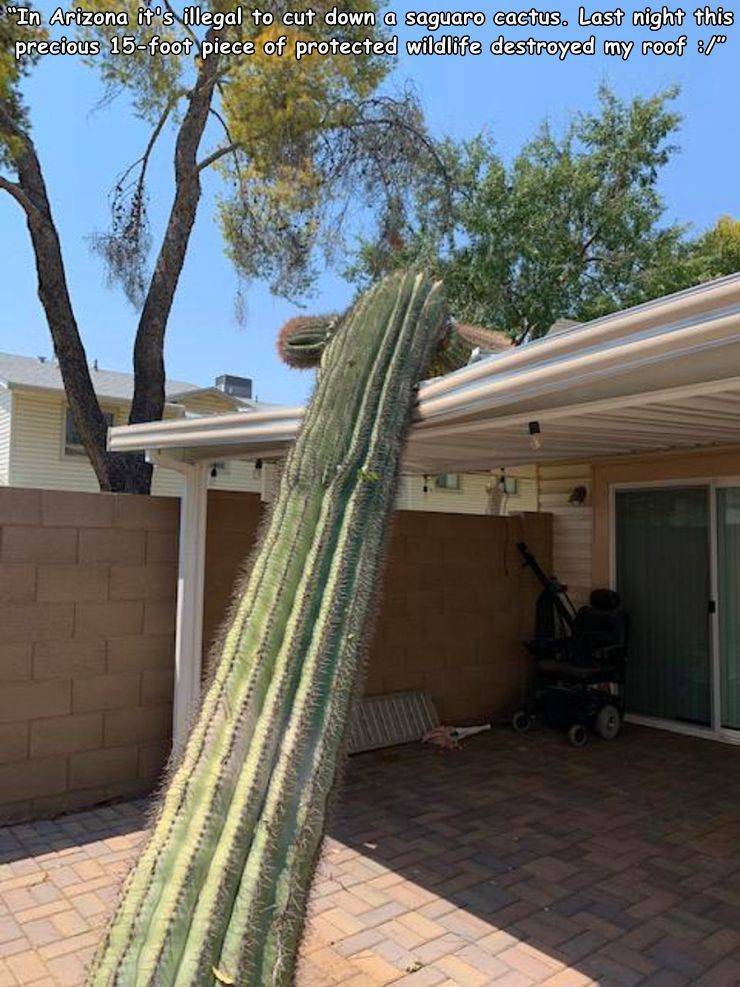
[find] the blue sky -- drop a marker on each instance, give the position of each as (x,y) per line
(82,151)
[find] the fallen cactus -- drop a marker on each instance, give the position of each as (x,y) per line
(218,893)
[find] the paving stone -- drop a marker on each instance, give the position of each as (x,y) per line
(516,863)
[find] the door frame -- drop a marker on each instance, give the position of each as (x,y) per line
(715,730)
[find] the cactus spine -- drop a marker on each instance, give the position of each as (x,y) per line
(219,892)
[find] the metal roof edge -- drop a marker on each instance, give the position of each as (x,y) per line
(659,315)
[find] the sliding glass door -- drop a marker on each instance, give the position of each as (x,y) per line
(728,583)
(662,573)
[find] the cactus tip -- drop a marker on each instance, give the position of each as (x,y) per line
(302,339)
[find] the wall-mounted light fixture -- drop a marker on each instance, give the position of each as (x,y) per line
(578,496)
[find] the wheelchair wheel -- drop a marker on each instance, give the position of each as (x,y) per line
(521,721)
(608,722)
(578,735)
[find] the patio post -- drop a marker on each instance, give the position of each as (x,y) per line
(190,587)
(190,591)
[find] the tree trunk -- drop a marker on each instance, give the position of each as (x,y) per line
(113,471)
(149,376)
(121,472)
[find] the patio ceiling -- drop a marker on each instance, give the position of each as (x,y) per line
(659,376)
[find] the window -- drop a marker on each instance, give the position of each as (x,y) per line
(72,441)
(447,481)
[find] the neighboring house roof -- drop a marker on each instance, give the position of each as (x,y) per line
(40,373)
(178,392)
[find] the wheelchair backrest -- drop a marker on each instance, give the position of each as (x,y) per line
(597,627)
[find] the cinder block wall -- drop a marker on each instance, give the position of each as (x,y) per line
(87,589)
(456,605)
(454,608)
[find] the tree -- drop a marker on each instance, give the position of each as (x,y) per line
(572,228)
(709,255)
(298,145)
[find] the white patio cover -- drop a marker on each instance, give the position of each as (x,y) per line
(662,375)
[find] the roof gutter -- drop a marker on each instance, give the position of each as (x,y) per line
(274,427)
(660,316)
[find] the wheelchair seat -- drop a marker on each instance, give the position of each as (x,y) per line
(596,650)
(568,672)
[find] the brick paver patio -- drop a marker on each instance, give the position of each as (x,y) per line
(517,861)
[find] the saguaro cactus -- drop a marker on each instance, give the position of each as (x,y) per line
(219,891)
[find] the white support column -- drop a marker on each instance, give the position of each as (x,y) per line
(190,585)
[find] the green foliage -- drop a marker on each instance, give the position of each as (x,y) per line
(309,142)
(218,894)
(12,71)
(573,227)
(150,82)
(302,148)
(711,254)
(267,101)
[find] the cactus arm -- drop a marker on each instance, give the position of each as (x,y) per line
(225,875)
(302,341)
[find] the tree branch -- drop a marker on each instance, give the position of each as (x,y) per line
(215,155)
(14,189)
(186,27)
(144,159)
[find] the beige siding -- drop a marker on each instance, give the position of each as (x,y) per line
(232,475)
(472,497)
(37,457)
(572,525)
(526,496)
(6,402)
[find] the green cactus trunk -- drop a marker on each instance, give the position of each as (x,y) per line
(219,892)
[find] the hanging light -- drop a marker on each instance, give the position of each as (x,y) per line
(535,435)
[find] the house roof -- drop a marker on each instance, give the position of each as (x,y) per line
(41,373)
(661,375)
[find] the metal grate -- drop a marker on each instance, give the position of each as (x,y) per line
(397,718)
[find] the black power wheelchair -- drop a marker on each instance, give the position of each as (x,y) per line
(580,660)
